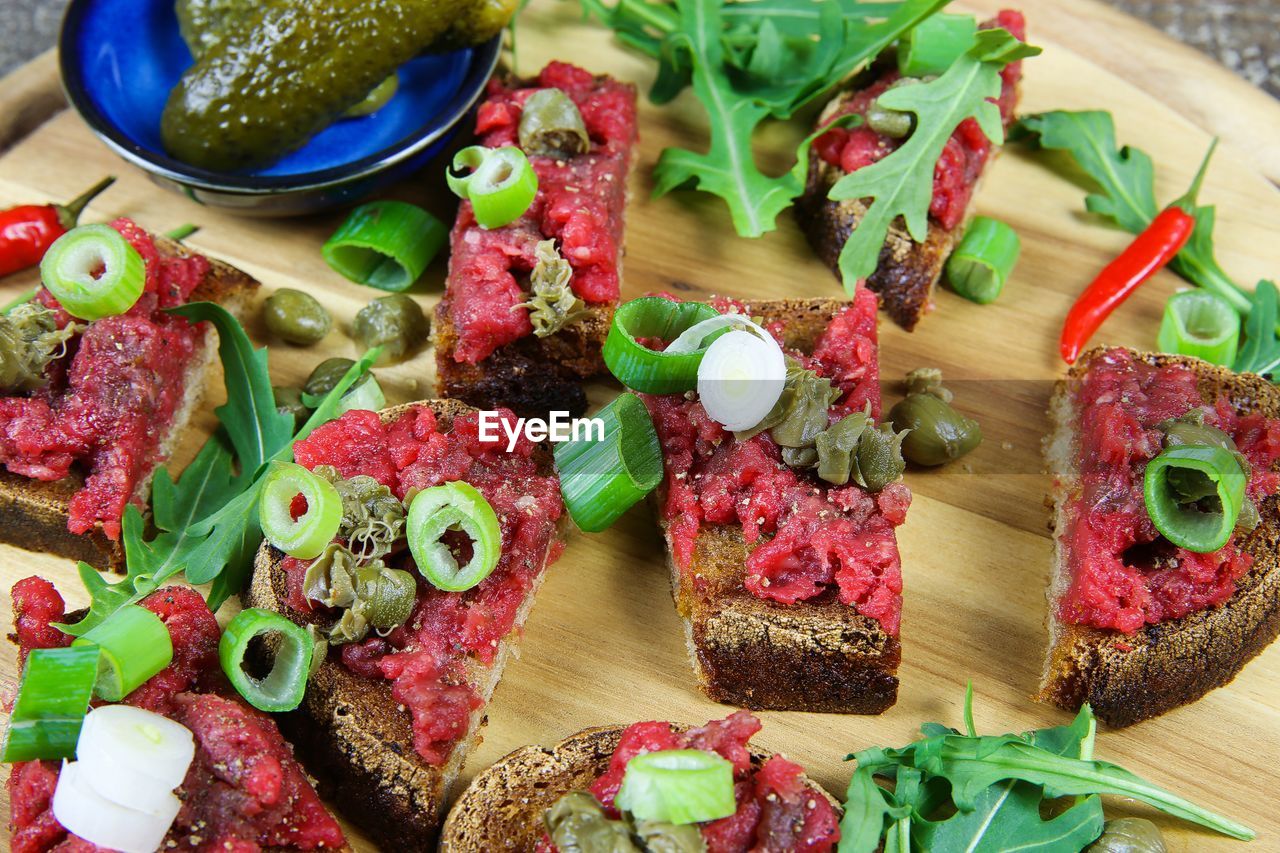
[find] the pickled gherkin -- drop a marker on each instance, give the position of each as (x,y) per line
(290,67)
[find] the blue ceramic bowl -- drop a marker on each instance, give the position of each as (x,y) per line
(121,58)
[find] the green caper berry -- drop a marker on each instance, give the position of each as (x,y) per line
(296,317)
(894,124)
(395,323)
(879,458)
(578,824)
(938,433)
(388,595)
(670,838)
(328,374)
(289,402)
(1128,835)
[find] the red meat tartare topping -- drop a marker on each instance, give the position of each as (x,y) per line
(1124,575)
(776,809)
(244,791)
(109,401)
(426,659)
(963,158)
(806,536)
(580,204)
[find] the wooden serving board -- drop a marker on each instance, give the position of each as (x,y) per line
(603,644)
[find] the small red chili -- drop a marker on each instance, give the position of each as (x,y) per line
(1157,245)
(27,231)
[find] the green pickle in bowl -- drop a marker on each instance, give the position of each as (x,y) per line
(270,76)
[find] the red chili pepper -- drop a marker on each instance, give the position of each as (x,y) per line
(1155,247)
(27,231)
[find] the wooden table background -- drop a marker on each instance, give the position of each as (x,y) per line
(603,644)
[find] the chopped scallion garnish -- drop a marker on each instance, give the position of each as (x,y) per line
(305,535)
(933,45)
(93,272)
(981,264)
(453,508)
(678,786)
(53,698)
(1202,324)
(500,186)
(1194,494)
(654,318)
(385,244)
(602,479)
(283,687)
(135,645)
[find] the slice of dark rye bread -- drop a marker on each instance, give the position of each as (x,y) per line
(33,513)
(816,655)
(502,808)
(1128,678)
(907,271)
(355,738)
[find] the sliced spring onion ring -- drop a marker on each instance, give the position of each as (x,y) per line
(981,264)
(134,757)
(933,45)
(678,786)
(385,244)
(602,479)
(57,685)
(1200,324)
(283,687)
(93,272)
(305,536)
(453,507)
(1179,476)
(701,335)
(741,378)
(653,371)
(501,185)
(135,645)
(85,811)
(365,395)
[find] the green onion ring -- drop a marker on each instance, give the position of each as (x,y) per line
(135,645)
(53,699)
(501,185)
(1201,324)
(654,371)
(934,44)
(1188,526)
(282,688)
(93,272)
(981,264)
(678,786)
(452,507)
(385,244)
(600,480)
(306,536)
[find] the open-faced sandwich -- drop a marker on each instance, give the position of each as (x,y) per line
(238,786)
(1165,578)
(98,380)
(536,250)
(415,551)
(907,269)
(781,495)
(676,788)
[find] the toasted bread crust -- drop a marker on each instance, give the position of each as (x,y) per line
(531,376)
(33,513)
(817,655)
(502,808)
(1127,678)
(355,738)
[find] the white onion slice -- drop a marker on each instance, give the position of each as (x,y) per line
(88,814)
(741,378)
(133,757)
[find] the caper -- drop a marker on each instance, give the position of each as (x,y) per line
(552,126)
(289,402)
(328,374)
(803,412)
(395,323)
(938,434)
(896,124)
(29,340)
(670,838)
(1128,835)
(879,459)
(837,445)
(386,595)
(296,317)
(578,824)
(1191,429)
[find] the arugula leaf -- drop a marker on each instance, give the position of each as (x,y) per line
(1260,353)
(1126,178)
(747,62)
(901,184)
(256,428)
(1006,816)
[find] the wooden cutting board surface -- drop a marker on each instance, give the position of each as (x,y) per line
(603,644)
